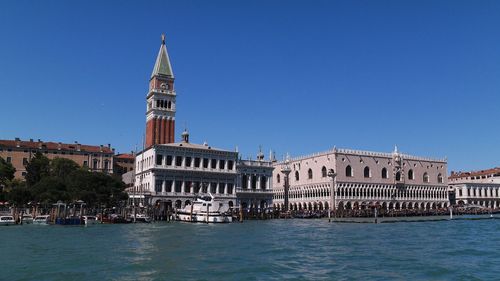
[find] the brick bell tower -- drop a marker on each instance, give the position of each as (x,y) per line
(160,113)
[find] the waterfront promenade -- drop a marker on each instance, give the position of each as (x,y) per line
(255,250)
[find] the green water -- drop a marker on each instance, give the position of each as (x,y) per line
(253,250)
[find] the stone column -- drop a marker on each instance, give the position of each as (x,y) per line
(163,186)
(258,182)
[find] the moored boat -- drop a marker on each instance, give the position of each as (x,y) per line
(90,220)
(142,218)
(7,220)
(205,209)
(41,220)
(27,219)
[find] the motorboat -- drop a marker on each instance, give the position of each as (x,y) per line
(27,219)
(41,220)
(205,209)
(142,218)
(90,220)
(7,220)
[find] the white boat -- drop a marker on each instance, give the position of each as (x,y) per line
(142,218)
(205,209)
(7,220)
(90,220)
(41,220)
(27,219)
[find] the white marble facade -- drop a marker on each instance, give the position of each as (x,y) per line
(173,174)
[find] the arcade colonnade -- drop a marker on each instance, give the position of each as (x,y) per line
(360,196)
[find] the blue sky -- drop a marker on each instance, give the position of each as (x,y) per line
(292,76)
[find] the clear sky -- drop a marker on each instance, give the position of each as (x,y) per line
(292,76)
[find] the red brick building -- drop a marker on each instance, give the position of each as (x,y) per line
(19,153)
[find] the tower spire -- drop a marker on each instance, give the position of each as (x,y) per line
(162,65)
(160,101)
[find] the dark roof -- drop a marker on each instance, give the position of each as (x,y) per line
(492,171)
(55,146)
(125,156)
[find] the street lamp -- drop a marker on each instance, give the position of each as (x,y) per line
(333,189)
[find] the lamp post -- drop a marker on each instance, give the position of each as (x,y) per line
(285,169)
(333,191)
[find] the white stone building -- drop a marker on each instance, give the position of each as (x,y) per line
(254,190)
(476,188)
(171,175)
(389,180)
(477,194)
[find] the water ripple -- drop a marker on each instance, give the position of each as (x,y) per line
(254,250)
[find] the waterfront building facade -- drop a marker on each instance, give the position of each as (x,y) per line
(172,175)
(475,188)
(483,176)
(254,189)
(19,153)
(486,195)
(391,181)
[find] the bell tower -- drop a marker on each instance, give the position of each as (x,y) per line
(160,112)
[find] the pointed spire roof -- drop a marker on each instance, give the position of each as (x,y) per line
(162,65)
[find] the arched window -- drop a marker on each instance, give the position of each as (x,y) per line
(398,176)
(297,175)
(410,175)
(348,171)
(426,177)
(366,172)
(263,182)
(440,178)
(323,172)
(278,178)
(310,174)
(384,173)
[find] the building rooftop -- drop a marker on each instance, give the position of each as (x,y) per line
(365,153)
(17,143)
(493,171)
(204,146)
(127,156)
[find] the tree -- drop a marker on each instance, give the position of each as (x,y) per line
(7,172)
(20,195)
(37,168)
(62,167)
(96,189)
(50,190)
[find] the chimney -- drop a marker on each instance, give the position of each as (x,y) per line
(78,146)
(39,144)
(59,146)
(18,142)
(101,147)
(109,145)
(31,140)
